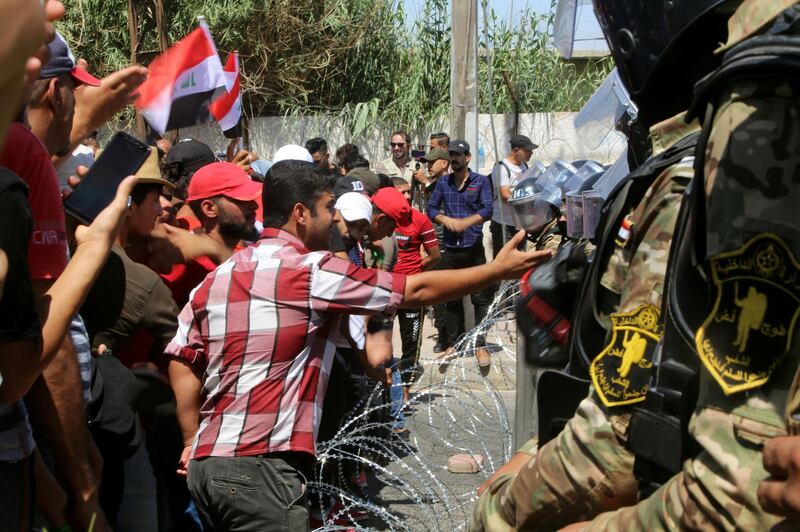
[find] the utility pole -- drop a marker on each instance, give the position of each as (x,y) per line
(464,91)
(133,33)
(464,75)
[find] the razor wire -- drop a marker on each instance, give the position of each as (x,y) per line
(454,407)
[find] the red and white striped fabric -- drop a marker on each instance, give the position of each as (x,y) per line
(228,109)
(182,82)
(261,330)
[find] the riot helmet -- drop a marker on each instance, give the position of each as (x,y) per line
(537,201)
(661,48)
(584,180)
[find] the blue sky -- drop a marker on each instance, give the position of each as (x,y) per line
(587,33)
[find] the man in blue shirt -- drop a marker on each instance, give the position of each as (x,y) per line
(462,202)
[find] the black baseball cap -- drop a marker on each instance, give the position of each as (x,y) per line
(189,156)
(62,61)
(348,183)
(458,146)
(524,142)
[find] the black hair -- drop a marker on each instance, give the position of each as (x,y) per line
(288,183)
(396,181)
(195,206)
(384,181)
(405,135)
(355,161)
(140,191)
(346,151)
(317,144)
(441,139)
(39,87)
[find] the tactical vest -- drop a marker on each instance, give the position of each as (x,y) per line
(588,333)
(559,393)
(700,297)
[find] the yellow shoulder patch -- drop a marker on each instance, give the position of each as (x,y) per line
(621,372)
(750,327)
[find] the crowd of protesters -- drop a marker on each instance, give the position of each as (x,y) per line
(219,317)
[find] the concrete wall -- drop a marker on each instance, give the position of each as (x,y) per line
(554,132)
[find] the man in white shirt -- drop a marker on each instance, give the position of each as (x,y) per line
(504,177)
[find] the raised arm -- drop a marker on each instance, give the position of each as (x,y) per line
(429,288)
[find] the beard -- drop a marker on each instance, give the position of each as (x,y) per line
(233,227)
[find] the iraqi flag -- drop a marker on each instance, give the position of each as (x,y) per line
(227,110)
(182,82)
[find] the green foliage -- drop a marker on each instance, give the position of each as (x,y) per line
(541,80)
(353,61)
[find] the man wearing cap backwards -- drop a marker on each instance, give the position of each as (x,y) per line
(462,203)
(504,177)
(52,101)
(223,198)
(252,355)
(56,401)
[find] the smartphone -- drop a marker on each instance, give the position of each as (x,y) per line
(123,156)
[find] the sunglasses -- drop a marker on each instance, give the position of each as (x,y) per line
(397,144)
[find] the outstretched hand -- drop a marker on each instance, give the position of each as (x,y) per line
(513,263)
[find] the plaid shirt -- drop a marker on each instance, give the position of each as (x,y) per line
(261,329)
(474,197)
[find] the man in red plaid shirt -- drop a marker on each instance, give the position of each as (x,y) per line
(249,364)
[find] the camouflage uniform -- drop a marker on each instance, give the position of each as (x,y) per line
(586,469)
(751,163)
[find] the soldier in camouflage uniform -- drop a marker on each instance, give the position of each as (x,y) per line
(586,469)
(746,343)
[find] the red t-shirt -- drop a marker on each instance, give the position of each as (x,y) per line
(27,157)
(419,232)
(182,279)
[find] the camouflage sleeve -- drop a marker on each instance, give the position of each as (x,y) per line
(652,224)
(488,512)
(716,490)
(582,472)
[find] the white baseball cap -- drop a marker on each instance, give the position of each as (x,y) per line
(354,206)
(292,152)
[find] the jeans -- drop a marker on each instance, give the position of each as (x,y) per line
(456,259)
(396,398)
(411,339)
(252,493)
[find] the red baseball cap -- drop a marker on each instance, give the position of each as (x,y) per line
(62,61)
(222,179)
(393,204)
